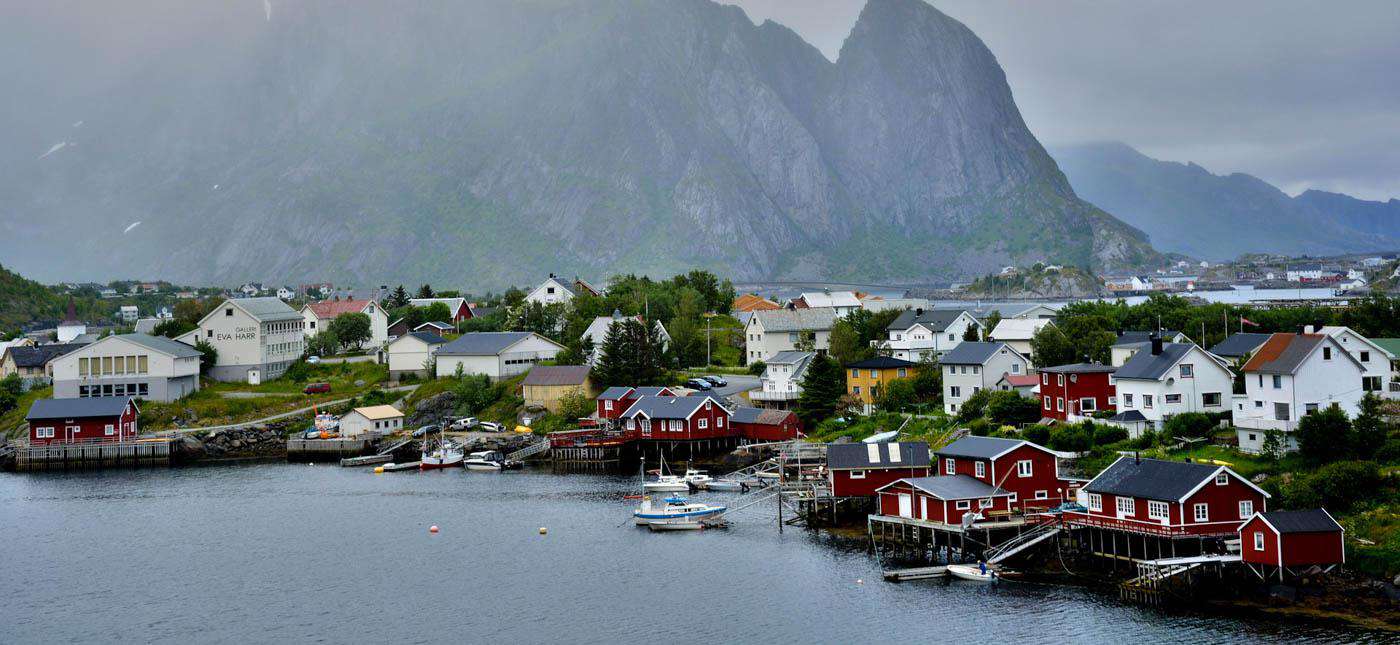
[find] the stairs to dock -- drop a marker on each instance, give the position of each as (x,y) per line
(390,450)
(530,450)
(1021,543)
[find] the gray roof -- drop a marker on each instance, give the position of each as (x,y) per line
(1135,337)
(1310,521)
(935,319)
(1150,478)
(950,487)
(1285,353)
(1237,345)
(667,407)
(266,309)
(1145,365)
(40,355)
(912,454)
(971,353)
(615,392)
(104,406)
(882,363)
(759,415)
(979,447)
(483,343)
(146,325)
(1080,368)
(427,337)
(788,358)
(780,320)
(652,390)
(556,375)
(1129,416)
(162,344)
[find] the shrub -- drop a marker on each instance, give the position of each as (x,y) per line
(1389,452)
(1075,438)
(1010,408)
(1190,425)
(1337,487)
(756,368)
(1104,435)
(1323,436)
(298,372)
(1037,434)
(974,407)
(980,427)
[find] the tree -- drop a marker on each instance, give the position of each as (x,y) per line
(632,355)
(1324,436)
(970,334)
(545,320)
(436,312)
(11,388)
(1009,408)
(475,392)
(173,328)
(351,329)
(1370,429)
(806,341)
(425,291)
(575,404)
(845,345)
(822,388)
(399,298)
(897,396)
(323,344)
(1051,347)
(1273,447)
(208,356)
(190,311)
(991,323)
(928,382)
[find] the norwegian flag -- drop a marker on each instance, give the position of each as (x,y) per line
(1246,321)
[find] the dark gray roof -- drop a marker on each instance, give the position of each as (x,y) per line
(556,375)
(106,406)
(652,390)
(162,344)
(1080,368)
(1150,478)
(1130,416)
(979,447)
(950,487)
(1310,521)
(759,415)
(935,319)
(971,353)
(881,363)
(482,343)
(1135,337)
(1237,345)
(615,392)
(427,337)
(912,454)
(1148,366)
(667,407)
(40,355)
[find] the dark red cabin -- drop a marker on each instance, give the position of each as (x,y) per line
(759,425)
(54,421)
(1169,499)
(1278,541)
(943,499)
(859,469)
(1027,471)
(1078,390)
(677,418)
(616,400)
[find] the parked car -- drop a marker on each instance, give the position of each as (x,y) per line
(698,384)
(313,359)
(430,428)
(464,423)
(313,433)
(716,380)
(316,388)
(489,426)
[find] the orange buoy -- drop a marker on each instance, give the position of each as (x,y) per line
(433,529)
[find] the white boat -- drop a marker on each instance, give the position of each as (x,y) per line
(676,513)
(667,484)
(727,485)
(486,460)
(441,454)
(973,573)
(697,478)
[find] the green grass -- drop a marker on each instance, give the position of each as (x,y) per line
(12,423)
(937,431)
(209,407)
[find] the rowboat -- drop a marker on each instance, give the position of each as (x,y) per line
(973,572)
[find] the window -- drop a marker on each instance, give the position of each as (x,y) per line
(1246,509)
(1044,379)
(1156,510)
(792,337)
(1147,401)
(1059,404)
(855,373)
(106,364)
(963,505)
(228,311)
(1126,507)
(1015,368)
(1012,499)
(981,468)
(984,503)
(1095,502)
(1278,382)
(952,337)
(1172,398)
(82,367)
(109,430)
(1047,403)
(1024,468)
(1188,370)
(1326,353)
(954,392)
(142,364)
(1371,383)
(607,405)
(1365,357)
(1258,540)
(903,372)
(1222,479)
(1128,400)
(1210,399)
(1087,405)
(1200,512)
(976,369)
(855,389)
(857,474)
(1042,494)
(719,422)
(703,423)
(1281,412)
(1060,379)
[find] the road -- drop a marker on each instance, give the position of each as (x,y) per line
(737,384)
(348,359)
(275,417)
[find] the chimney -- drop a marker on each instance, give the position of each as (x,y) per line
(1156,344)
(919,311)
(1309,329)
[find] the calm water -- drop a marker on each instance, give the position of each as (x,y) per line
(276,552)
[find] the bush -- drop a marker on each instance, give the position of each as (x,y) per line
(975,406)
(1323,436)
(756,368)
(1037,434)
(1337,487)
(1010,408)
(1389,452)
(475,393)
(298,372)
(980,427)
(1075,438)
(1190,425)
(1104,435)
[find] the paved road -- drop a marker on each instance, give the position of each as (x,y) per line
(348,359)
(275,417)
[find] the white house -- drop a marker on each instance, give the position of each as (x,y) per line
(781,383)
(781,330)
(1289,377)
(136,365)
(1018,332)
(286,293)
(1301,272)
(974,366)
(1132,342)
(129,313)
(412,353)
(844,302)
(317,316)
(1166,379)
(597,332)
(256,338)
(924,334)
(497,354)
(556,289)
(71,327)
(1375,360)
(379,419)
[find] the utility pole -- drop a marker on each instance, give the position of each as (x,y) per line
(708,361)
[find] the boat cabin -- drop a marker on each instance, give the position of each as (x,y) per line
(859,469)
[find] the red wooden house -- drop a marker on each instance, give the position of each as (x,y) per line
(1168,499)
(763,424)
(943,499)
(859,469)
(677,418)
(1027,471)
(82,420)
(1282,541)
(614,401)
(1072,392)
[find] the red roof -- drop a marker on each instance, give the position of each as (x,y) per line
(1020,380)
(330,309)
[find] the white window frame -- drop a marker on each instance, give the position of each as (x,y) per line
(1025,468)
(980,468)
(1092,405)
(702,423)
(950,466)
(1096,502)
(962,505)
(857,474)
(109,430)
(1222,479)
(1158,510)
(1123,509)
(1258,540)
(1200,512)
(1246,509)
(985,502)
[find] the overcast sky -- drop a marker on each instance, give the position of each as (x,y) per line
(1305,94)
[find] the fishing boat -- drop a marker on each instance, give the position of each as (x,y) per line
(489,460)
(973,572)
(441,453)
(676,514)
(666,483)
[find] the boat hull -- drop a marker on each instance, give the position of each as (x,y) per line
(439,463)
(482,466)
(667,487)
(972,573)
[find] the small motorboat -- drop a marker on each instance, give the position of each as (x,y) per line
(727,485)
(697,479)
(973,572)
(677,513)
(441,453)
(667,484)
(489,460)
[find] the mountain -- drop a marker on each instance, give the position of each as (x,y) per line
(1186,209)
(485,143)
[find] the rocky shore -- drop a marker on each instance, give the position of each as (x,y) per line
(260,441)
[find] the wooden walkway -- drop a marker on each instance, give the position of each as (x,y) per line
(75,456)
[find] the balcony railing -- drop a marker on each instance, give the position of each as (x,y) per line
(762,395)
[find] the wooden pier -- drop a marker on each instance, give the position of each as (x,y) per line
(106,454)
(328,449)
(917,573)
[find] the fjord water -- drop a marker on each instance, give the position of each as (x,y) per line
(293,553)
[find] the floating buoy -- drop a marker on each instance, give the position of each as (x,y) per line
(379,470)
(859,581)
(543,530)
(433,529)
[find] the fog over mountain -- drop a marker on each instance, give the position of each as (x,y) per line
(484,143)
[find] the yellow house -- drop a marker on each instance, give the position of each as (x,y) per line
(546,384)
(866,379)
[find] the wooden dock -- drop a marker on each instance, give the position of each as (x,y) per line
(325,449)
(918,573)
(107,454)
(368,460)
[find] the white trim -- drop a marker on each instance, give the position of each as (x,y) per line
(1211,478)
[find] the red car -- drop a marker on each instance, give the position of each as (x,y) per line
(317,388)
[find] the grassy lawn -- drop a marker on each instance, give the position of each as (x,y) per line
(12,423)
(936,431)
(210,406)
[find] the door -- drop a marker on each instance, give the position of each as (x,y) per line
(70,433)
(646,427)
(906,505)
(923,508)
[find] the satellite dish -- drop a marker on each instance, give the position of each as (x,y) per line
(1170,381)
